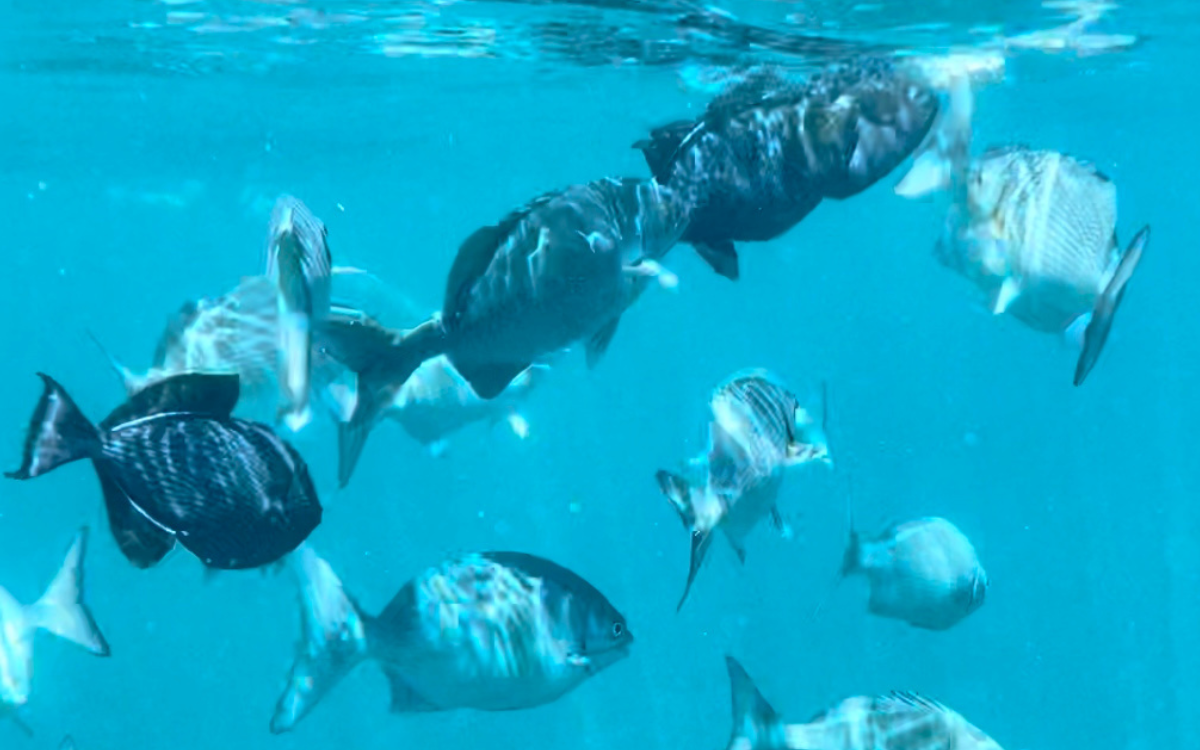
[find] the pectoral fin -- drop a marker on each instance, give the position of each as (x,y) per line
(1006,295)
(720,256)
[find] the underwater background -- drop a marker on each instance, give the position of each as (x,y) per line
(142,144)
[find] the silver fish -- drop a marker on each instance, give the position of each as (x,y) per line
(758,428)
(175,466)
(562,269)
(300,265)
(60,611)
(1035,230)
(768,150)
(924,572)
(436,401)
(900,721)
(493,631)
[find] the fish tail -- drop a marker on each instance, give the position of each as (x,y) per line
(679,493)
(661,147)
(382,361)
(62,611)
(756,725)
(942,162)
(1106,306)
(58,434)
(334,639)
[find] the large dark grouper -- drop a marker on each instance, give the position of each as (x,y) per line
(494,631)
(758,428)
(60,611)
(900,721)
(559,270)
(175,466)
(300,266)
(768,150)
(1034,230)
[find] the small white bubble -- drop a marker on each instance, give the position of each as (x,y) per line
(341,208)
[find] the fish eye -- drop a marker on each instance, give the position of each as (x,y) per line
(618,630)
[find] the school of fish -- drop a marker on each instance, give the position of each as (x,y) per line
(1032,229)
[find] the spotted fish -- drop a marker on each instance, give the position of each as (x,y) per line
(768,150)
(175,466)
(924,572)
(61,611)
(758,428)
(900,721)
(561,269)
(300,266)
(493,631)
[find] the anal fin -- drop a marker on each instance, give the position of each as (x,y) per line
(489,381)
(143,542)
(720,256)
(405,700)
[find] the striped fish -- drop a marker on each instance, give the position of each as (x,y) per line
(300,265)
(757,429)
(900,721)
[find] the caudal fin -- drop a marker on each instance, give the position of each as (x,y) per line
(1106,306)
(756,725)
(382,360)
(62,611)
(58,433)
(679,493)
(333,639)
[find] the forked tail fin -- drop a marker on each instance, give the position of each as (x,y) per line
(62,611)
(1106,306)
(58,434)
(756,725)
(333,639)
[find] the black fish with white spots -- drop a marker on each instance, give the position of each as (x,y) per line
(175,466)
(767,151)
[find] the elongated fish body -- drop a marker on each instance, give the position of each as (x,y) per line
(757,429)
(492,631)
(61,611)
(300,265)
(900,721)
(768,150)
(175,466)
(924,572)
(562,269)
(1034,230)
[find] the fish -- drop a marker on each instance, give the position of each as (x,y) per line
(768,150)
(299,264)
(67,743)
(489,631)
(561,269)
(61,610)
(898,721)
(1034,230)
(758,428)
(923,572)
(175,466)
(436,402)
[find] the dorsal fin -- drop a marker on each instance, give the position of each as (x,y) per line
(213,395)
(476,252)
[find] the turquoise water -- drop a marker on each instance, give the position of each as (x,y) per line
(143,144)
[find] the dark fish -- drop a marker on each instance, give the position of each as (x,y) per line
(769,149)
(61,611)
(924,572)
(562,269)
(758,428)
(301,267)
(494,631)
(175,466)
(900,721)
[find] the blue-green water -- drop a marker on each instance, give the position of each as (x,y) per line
(139,154)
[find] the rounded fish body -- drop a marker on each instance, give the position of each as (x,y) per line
(925,573)
(901,721)
(231,491)
(495,631)
(555,272)
(1050,222)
